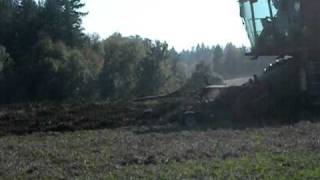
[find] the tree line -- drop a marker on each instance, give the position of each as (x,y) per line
(45,55)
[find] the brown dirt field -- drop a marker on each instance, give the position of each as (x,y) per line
(100,141)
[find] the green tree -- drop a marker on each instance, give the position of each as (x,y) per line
(7,12)
(72,19)
(51,58)
(118,76)
(201,77)
(217,57)
(178,70)
(26,26)
(151,75)
(61,19)
(4,58)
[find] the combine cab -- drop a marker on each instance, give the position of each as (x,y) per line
(282,27)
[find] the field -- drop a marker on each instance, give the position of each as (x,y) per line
(125,142)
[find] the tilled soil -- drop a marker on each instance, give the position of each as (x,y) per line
(29,118)
(132,141)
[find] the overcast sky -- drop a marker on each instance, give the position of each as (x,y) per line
(182,23)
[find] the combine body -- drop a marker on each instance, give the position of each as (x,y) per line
(287,27)
(289,30)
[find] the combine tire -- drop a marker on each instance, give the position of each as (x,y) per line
(189,119)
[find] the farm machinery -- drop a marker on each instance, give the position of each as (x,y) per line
(289,88)
(287,30)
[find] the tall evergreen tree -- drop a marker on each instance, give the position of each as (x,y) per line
(72,20)
(26,26)
(62,21)
(7,12)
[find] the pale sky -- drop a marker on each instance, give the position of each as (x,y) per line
(181,23)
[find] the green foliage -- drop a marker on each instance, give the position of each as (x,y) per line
(201,77)
(52,59)
(133,67)
(24,21)
(151,71)
(4,62)
(49,58)
(4,58)
(61,19)
(229,61)
(178,69)
(51,72)
(258,166)
(218,53)
(118,76)
(66,71)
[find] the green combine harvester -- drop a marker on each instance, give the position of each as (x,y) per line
(287,30)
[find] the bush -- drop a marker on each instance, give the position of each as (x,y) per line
(202,77)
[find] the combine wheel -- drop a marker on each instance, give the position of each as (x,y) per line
(189,119)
